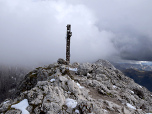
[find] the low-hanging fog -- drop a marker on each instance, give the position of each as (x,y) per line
(33,31)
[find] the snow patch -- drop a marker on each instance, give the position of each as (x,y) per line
(22,106)
(73,69)
(71,103)
(140,86)
(52,80)
(114,86)
(5,102)
(132,92)
(105,110)
(130,106)
(67,91)
(77,111)
(79,85)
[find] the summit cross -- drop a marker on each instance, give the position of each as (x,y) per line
(68,35)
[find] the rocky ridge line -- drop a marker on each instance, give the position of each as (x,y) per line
(86,88)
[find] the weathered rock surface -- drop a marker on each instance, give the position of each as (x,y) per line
(62,61)
(97,88)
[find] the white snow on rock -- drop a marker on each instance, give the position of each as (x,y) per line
(71,103)
(73,69)
(130,106)
(105,110)
(52,80)
(140,86)
(79,85)
(148,113)
(22,106)
(77,111)
(132,92)
(114,86)
(67,91)
(5,102)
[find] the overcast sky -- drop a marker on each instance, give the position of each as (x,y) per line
(34,31)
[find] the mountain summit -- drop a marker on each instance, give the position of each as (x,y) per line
(86,88)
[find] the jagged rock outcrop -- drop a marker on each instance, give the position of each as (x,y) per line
(62,61)
(97,88)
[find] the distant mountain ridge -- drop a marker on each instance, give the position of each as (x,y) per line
(142,66)
(141,73)
(143,78)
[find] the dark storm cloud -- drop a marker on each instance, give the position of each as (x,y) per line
(130,22)
(33,31)
(139,50)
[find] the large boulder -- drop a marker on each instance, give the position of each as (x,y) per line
(62,61)
(84,68)
(75,64)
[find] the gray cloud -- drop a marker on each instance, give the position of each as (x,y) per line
(130,22)
(137,49)
(33,31)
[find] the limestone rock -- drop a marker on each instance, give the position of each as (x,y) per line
(13,112)
(96,88)
(105,63)
(84,68)
(62,61)
(75,64)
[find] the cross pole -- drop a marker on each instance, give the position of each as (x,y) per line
(68,35)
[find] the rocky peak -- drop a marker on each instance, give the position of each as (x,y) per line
(86,88)
(105,63)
